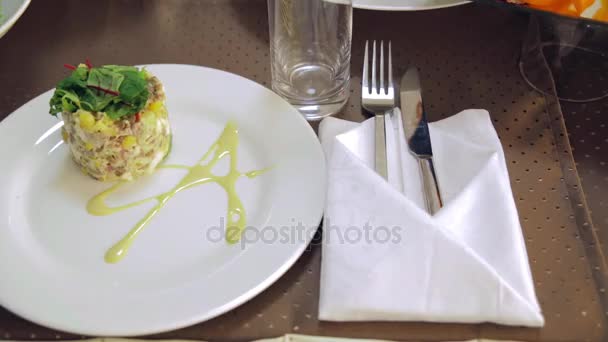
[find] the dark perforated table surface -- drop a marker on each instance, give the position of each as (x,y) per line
(557,155)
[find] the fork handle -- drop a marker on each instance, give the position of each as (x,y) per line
(429,183)
(380,147)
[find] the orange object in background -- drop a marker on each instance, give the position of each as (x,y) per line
(582,5)
(572,8)
(602,13)
(542,4)
(563,7)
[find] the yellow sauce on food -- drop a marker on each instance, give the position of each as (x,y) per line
(198,174)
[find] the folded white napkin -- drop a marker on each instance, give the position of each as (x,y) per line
(385,258)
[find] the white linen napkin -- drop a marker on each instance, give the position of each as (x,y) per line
(385,258)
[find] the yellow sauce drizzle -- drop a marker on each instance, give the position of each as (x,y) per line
(198,174)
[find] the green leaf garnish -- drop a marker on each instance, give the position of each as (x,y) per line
(104,78)
(119,91)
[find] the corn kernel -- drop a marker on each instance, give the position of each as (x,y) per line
(156,106)
(129,141)
(87,120)
(88,146)
(105,126)
(65,135)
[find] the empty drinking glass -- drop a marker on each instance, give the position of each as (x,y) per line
(310,43)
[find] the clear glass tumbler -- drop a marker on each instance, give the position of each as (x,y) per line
(310,42)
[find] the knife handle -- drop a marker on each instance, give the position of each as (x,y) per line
(429,183)
(380,147)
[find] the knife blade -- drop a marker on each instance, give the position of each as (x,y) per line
(416,130)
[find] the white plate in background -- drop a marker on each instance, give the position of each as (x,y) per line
(406,5)
(10,11)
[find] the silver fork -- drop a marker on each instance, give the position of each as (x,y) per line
(378,100)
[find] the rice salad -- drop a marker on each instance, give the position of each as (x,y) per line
(115,120)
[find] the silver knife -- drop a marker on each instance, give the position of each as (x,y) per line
(417,136)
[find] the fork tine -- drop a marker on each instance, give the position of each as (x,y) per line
(381,85)
(390,66)
(374,67)
(365,77)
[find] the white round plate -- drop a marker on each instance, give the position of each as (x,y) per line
(406,5)
(10,11)
(179,271)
